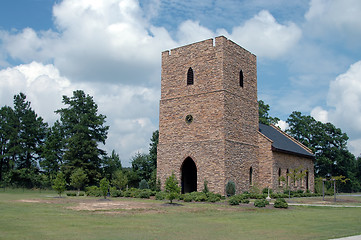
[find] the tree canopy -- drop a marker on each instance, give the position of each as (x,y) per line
(83,130)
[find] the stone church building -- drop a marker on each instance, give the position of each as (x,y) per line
(208,124)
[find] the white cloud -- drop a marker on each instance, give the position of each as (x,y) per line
(339,19)
(264,36)
(190,32)
(282,124)
(320,114)
(345,98)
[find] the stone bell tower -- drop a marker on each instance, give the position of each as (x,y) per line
(208,119)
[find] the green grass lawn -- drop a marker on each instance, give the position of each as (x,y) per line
(42,216)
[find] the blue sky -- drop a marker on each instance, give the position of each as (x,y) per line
(308,54)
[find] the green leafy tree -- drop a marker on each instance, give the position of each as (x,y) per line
(142,166)
(111,164)
(30,134)
(7,136)
(104,187)
(119,180)
(84,129)
(78,179)
(329,145)
(264,117)
(153,148)
(171,188)
(143,184)
(59,183)
(53,150)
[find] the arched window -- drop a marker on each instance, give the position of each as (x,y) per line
(241,78)
(190,76)
(279,177)
(250,176)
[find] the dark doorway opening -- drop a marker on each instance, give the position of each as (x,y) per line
(189,176)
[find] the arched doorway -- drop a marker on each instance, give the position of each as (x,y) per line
(189,176)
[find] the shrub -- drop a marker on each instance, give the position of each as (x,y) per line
(213,197)
(115,193)
(199,196)
(81,194)
(172,188)
(233,200)
(187,197)
(205,186)
(93,191)
(230,188)
(143,184)
(265,191)
(71,194)
(144,194)
(160,195)
(246,201)
(260,203)
(104,186)
(280,203)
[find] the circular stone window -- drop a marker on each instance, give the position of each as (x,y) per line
(189,118)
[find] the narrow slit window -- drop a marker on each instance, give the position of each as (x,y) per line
(250,176)
(241,78)
(287,173)
(279,177)
(190,76)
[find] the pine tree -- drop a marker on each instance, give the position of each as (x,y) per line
(84,129)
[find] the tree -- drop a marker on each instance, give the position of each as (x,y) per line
(30,133)
(7,135)
(78,179)
(264,117)
(111,164)
(104,187)
(142,166)
(83,129)
(171,188)
(59,183)
(153,148)
(119,180)
(53,150)
(329,145)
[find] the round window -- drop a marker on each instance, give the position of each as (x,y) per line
(189,118)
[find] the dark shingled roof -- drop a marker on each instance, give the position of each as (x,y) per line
(282,143)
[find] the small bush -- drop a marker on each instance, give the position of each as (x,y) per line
(230,188)
(260,203)
(245,201)
(265,191)
(213,197)
(81,194)
(280,203)
(71,194)
(187,197)
(233,200)
(205,187)
(160,196)
(93,191)
(144,194)
(115,192)
(143,184)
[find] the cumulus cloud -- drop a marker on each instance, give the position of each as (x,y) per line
(344,102)
(264,36)
(282,124)
(339,19)
(345,98)
(129,110)
(320,114)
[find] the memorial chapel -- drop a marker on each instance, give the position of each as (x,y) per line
(209,128)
